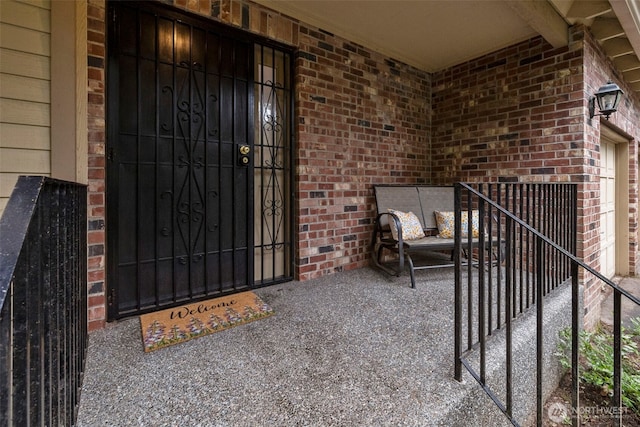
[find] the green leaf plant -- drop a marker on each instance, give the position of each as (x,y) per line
(596,360)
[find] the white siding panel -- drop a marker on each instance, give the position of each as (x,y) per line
(24,136)
(25,64)
(7,182)
(26,40)
(25,93)
(25,15)
(25,88)
(14,160)
(24,112)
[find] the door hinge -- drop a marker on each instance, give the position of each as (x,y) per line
(111,297)
(114,16)
(110,154)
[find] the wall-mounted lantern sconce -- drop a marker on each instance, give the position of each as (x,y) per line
(608,97)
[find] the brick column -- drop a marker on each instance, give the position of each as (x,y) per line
(96,60)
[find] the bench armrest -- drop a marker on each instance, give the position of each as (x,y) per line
(396,221)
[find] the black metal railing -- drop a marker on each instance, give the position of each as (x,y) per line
(531,230)
(43,303)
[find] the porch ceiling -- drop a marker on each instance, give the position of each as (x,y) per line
(435,34)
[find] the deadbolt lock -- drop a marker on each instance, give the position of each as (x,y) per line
(244,155)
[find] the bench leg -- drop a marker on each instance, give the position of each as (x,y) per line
(401,263)
(411,272)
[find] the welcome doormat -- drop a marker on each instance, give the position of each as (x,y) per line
(179,324)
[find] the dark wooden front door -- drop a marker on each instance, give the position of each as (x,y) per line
(179,160)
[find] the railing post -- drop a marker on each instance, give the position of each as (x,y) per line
(508,318)
(540,266)
(470,284)
(499,239)
(457,286)
(616,401)
(520,249)
(5,367)
(575,345)
(489,215)
(481,286)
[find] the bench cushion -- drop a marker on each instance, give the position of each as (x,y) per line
(446,223)
(410,224)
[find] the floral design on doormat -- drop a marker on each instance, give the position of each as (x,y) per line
(217,322)
(199,319)
(197,327)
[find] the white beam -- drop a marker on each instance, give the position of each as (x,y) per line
(632,76)
(628,13)
(606,28)
(588,9)
(617,47)
(544,19)
(627,62)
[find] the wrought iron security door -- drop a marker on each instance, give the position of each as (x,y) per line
(180,163)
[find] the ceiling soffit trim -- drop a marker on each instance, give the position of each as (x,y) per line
(404,29)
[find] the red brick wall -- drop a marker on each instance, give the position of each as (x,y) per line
(362,119)
(521,114)
(516,113)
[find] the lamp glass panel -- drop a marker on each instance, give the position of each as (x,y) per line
(608,97)
(608,101)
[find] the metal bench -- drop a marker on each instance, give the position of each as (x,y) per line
(423,201)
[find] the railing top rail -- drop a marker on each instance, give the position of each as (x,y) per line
(547,240)
(13,226)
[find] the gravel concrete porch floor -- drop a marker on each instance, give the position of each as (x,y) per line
(357,348)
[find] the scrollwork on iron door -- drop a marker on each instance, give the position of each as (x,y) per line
(190,201)
(272,118)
